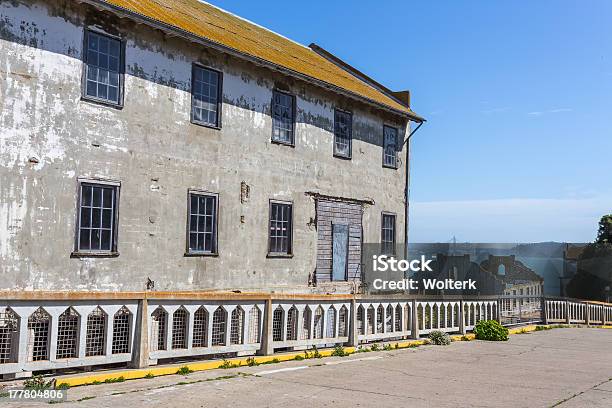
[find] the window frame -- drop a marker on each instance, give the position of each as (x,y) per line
(289,253)
(188,251)
(120,99)
(337,154)
(396,164)
(113,251)
(293,117)
(384,214)
(197,65)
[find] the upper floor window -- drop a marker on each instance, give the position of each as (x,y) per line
(283,117)
(388,233)
(343,133)
(206,91)
(103,68)
(97,218)
(280,231)
(202,228)
(389,147)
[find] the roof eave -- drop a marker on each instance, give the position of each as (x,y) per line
(259,61)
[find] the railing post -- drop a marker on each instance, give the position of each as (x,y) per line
(266,340)
(497,315)
(461,318)
(567,312)
(588,314)
(353,335)
(544,311)
(140,356)
(414,330)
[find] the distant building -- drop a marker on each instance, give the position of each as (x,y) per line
(517,278)
(497,275)
(460,267)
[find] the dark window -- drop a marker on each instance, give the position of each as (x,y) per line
(283,117)
(343,124)
(103,63)
(280,228)
(206,96)
(97,218)
(202,223)
(388,234)
(390,147)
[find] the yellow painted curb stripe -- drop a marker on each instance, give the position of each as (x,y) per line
(205,365)
(459,337)
(167,370)
(523,329)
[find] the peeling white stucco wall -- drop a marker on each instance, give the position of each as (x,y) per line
(49,137)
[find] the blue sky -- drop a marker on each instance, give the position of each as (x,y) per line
(518,97)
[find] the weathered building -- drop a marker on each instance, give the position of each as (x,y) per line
(496,275)
(188,149)
(461,268)
(518,279)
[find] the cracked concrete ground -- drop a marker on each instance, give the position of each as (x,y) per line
(561,367)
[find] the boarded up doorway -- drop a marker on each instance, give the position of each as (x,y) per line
(339,240)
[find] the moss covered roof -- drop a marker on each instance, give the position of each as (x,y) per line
(246,38)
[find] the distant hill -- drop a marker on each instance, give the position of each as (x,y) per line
(541,249)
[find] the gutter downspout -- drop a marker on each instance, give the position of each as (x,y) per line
(407,187)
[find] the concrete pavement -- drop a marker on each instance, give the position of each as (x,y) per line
(560,367)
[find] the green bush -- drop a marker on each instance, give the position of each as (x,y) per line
(184,371)
(37,383)
(339,351)
(226,364)
(439,338)
(490,330)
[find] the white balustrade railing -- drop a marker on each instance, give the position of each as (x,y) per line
(474,311)
(47,335)
(520,310)
(301,325)
(596,315)
(608,314)
(37,335)
(434,315)
(194,327)
(383,320)
(556,311)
